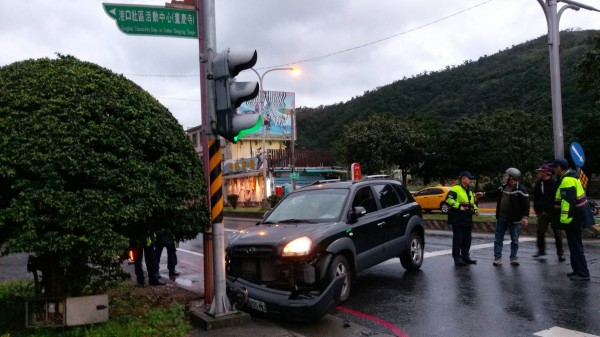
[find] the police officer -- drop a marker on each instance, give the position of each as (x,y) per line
(460,216)
(570,196)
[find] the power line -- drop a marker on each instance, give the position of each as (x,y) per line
(319,58)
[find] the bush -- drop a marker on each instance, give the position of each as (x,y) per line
(273,200)
(232,199)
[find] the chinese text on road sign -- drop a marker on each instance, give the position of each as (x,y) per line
(151,20)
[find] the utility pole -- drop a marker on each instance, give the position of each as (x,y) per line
(550,8)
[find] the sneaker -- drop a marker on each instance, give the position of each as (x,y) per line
(174,273)
(571,274)
(579,278)
(514,261)
(141,285)
(497,261)
(561,258)
(539,254)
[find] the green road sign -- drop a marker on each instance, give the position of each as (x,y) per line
(294,175)
(150,20)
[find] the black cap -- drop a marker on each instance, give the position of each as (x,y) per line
(465,174)
(563,163)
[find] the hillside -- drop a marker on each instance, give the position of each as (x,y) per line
(517,77)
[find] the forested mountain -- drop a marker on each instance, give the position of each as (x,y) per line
(517,78)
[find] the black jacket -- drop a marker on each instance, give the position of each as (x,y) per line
(544,202)
(519,201)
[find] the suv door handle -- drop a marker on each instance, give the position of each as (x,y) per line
(406,215)
(381,224)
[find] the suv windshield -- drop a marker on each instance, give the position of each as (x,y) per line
(315,205)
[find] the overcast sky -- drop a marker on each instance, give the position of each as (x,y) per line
(344,47)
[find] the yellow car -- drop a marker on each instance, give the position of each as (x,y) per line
(433,198)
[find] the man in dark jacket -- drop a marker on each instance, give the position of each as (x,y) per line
(512,210)
(543,204)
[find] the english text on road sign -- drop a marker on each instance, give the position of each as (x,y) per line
(152,20)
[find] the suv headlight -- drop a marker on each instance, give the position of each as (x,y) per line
(298,247)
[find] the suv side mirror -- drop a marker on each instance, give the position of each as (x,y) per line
(356,213)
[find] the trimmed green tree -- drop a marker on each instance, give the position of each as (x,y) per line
(89,161)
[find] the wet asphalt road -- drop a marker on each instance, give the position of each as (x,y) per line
(481,300)
(444,300)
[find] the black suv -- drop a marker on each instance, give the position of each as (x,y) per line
(301,259)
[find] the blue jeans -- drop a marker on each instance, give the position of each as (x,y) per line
(514,229)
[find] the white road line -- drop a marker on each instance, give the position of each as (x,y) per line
(449,251)
(427,254)
(561,332)
(475,247)
(189,252)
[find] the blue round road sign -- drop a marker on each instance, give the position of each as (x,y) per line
(577,154)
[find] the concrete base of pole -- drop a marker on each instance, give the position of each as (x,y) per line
(199,317)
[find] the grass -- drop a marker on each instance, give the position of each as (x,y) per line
(133,313)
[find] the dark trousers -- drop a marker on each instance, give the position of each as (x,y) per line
(165,241)
(542,226)
(461,242)
(578,262)
(145,253)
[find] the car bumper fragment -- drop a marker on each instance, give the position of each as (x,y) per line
(274,303)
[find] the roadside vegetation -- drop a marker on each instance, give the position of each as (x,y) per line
(134,312)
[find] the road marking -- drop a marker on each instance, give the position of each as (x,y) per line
(396,330)
(475,247)
(189,252)
(561,332)
(449,251)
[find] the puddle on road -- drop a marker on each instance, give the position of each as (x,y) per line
(184,282)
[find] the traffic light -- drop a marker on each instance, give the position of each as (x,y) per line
(229,94)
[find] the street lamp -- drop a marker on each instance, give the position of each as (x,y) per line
(553,20)
(261,94)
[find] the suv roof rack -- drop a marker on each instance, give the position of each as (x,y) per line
(378,176)
(325,181)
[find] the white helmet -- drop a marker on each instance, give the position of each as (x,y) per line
(513,172)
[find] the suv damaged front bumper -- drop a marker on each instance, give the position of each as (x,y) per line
(273,303)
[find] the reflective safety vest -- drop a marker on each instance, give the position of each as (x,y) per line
(458,196)
(570,193)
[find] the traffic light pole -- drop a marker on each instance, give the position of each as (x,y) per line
(214,236)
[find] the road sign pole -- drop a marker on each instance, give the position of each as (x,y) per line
(220,305)
(203,36)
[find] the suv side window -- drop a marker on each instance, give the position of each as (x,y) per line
(387,195)
(401,193)
(364,197)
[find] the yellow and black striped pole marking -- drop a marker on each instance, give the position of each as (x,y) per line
(584,179)
(216,181)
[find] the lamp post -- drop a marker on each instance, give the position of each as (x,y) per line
(553,19)
(261,94)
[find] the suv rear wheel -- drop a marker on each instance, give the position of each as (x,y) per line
(339,266)
(413,258)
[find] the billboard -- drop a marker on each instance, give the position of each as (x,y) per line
(279,108)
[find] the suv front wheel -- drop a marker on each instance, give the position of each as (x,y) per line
(412,259)
(339,266)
